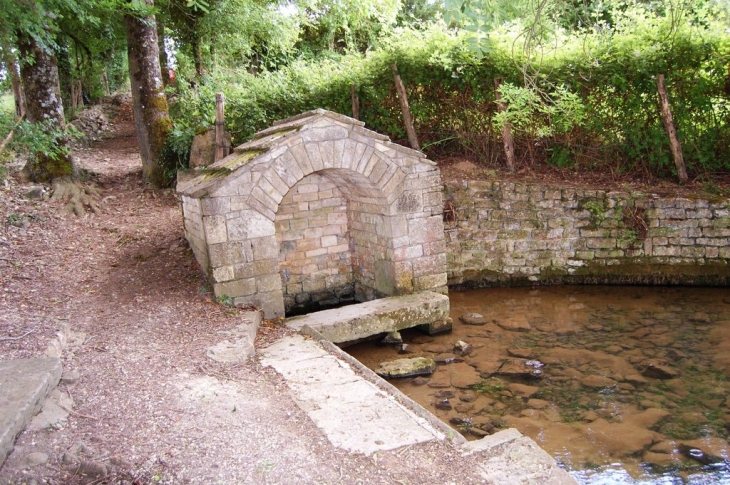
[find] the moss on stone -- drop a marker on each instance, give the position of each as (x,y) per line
(243,159)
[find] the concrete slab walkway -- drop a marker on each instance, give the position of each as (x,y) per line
(354,413)
(24,385)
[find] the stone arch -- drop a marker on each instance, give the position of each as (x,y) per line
(234,222)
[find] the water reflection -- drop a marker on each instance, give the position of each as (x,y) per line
(632,375)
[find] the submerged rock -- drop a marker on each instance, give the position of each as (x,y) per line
(597,382)
(517,323)
(706,451)
(447,359)
(659,370)
(417,366)
(520,368)
(523,390)
(521,353)
(474,319)
(443,404)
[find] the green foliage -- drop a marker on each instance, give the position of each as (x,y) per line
(44,138)
(588,102)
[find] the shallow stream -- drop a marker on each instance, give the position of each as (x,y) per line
(619,384)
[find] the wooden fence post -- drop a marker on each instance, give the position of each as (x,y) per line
(221,147)
(355,102)
(508,142)
(668,120)
(403,99)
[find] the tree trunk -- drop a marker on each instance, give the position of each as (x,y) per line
(164,69)
(197,56)
(44,105)
(668,120)
(11,65)
(507,141)
(151,116)
(403,99)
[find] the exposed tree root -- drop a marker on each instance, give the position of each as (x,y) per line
(78,196)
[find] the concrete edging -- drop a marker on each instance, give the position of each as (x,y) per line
(25,385)
(376,380)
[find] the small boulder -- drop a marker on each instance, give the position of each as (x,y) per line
(417,366)
(706,451)
(463,348)
(443,405)
(392,338)
(70,377)
(35,459)
(35,192)
(404,349)
(93,469)
(419,381)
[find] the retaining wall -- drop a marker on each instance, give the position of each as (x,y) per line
(506,233)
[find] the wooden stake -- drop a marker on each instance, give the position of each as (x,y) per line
(221,148)
(355,102)
(509,144)
(668,120)
(403,99)
(10,135)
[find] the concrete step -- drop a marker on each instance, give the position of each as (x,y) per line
(24,386)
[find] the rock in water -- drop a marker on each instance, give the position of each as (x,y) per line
(417,366)
(404,349)
(473,319)
(393,338)
(659,370)
(463,348)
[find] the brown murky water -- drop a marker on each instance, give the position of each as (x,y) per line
(619,384)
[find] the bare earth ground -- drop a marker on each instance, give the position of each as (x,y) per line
(123,288)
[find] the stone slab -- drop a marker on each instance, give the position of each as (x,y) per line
(377,316)
(24,385)
(239,347)
(354,414)
(519,461)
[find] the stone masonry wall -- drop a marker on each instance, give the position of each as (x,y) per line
(314,253)
(504,233)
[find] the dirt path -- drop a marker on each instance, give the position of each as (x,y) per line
(122,287)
